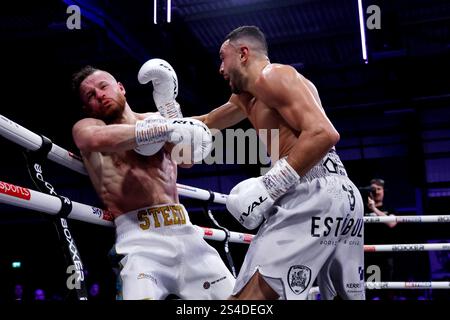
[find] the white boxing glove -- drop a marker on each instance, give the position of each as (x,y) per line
(152,132)
(251,200)
(193,134)
(165,86)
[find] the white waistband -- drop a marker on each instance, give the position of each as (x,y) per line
(166,218)
(331,164)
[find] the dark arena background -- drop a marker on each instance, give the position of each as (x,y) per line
(391,108)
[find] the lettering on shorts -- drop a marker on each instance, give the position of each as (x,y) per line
(161,217)
(330,226)
(354,287)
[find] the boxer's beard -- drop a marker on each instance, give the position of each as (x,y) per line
(113,112)
(237,82)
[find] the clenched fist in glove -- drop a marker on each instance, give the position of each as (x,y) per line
(152,132)
(251,200)
(165,86)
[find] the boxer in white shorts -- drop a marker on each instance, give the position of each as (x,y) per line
(304,197)
(130,160)
(165,254)
(316,229)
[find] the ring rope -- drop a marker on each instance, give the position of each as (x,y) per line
(42,202)
(398,285)
(31,199)
(408,219)
(35,200)
(31,141)
(408,285)
(407,247)
(236,237)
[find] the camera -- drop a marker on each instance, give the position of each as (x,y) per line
(366,192)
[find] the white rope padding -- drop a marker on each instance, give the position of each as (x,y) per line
(409,285)
(35,200)
(408,219)
(31,199)
(200,194)
(51,205)
(407,247)
(31,141)
(397,285)
(219,235)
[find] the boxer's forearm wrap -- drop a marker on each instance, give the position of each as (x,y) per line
(148,132)
(280,179)
(170,110)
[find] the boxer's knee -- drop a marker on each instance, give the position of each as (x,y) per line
(256,289)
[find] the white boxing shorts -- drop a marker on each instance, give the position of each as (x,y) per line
(316,231)
(165,254)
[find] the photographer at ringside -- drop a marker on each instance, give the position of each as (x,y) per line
(375,200)
(379,233)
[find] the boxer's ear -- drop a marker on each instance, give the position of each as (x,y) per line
(122,88)
(243,53)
